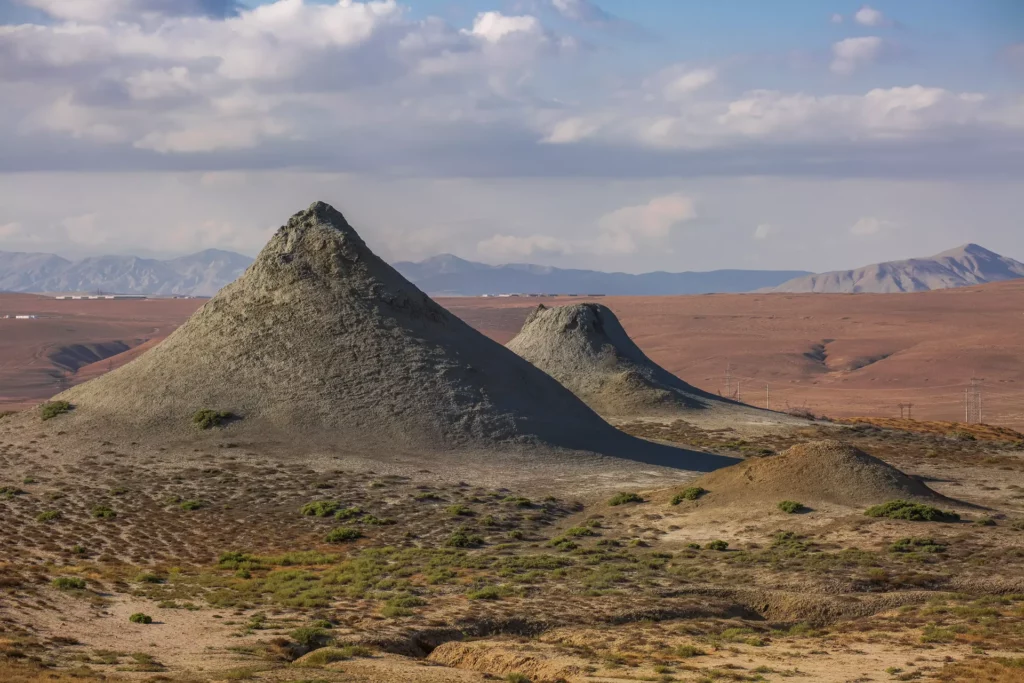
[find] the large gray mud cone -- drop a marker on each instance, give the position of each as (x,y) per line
(321,339)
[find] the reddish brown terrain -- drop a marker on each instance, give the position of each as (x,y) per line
(839,355)
(37,356)
(834,354)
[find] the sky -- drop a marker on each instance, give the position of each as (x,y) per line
(627,135)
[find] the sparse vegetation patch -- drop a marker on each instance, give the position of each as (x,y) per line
(208,419)
(624,498)
(915,512)
(52,409)
(692,493)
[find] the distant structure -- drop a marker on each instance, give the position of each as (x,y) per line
(20,317)
(93,297)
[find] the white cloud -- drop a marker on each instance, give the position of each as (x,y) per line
(852,53)
(869,225)
(572,130)
(764,231)
(688,83)
(622,231)
(837,18)
(869,16)
(503,247)
(495,26)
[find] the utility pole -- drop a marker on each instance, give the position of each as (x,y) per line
(767,397)
(972,403)
(728,380)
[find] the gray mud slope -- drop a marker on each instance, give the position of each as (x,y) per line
(585,347)
(322,340)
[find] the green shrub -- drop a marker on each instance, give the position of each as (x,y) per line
(9,492)
(923,545)
(688,651)
(208,419)
(459,510)
(461,538)
(485,593)
(791,507)
(984,521)
(516,534)
(717,545)
(69,583)
(579,531)
(915,512)
(320,508)
(692,493)
(50,410)
(516,678)
(148,578)
(140,618)
(311,637)
(49,515)
(623,498)
(189,505)
(518,501)
(378,521)
(6,413)
(348,513)
(344,534)
(103,512)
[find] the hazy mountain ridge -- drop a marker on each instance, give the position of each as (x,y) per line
(205,273)
(451,275)
(201,274)
(964,266)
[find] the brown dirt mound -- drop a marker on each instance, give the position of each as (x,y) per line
(585,347)
(812,473)
(322,340)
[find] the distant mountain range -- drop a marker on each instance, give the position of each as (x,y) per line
(203,274)
(964,266)
(453,276)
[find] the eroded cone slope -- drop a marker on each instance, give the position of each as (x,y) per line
(322,337)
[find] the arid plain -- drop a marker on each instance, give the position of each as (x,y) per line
(833,354)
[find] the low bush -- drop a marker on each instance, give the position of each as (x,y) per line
(692,493)
(189,505)
(344,534)
(103,512)
(791,507)
(311,637)
(49,515)
(461,538)
(320,508)
(140,618)
(348,513)
(717,545)
(688,651)
(459,510)
(50,410)
(208,419)
(580,531)
(69,583)
(623,498)
(917,545)
(516,678)
(485,593)
(915,512)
